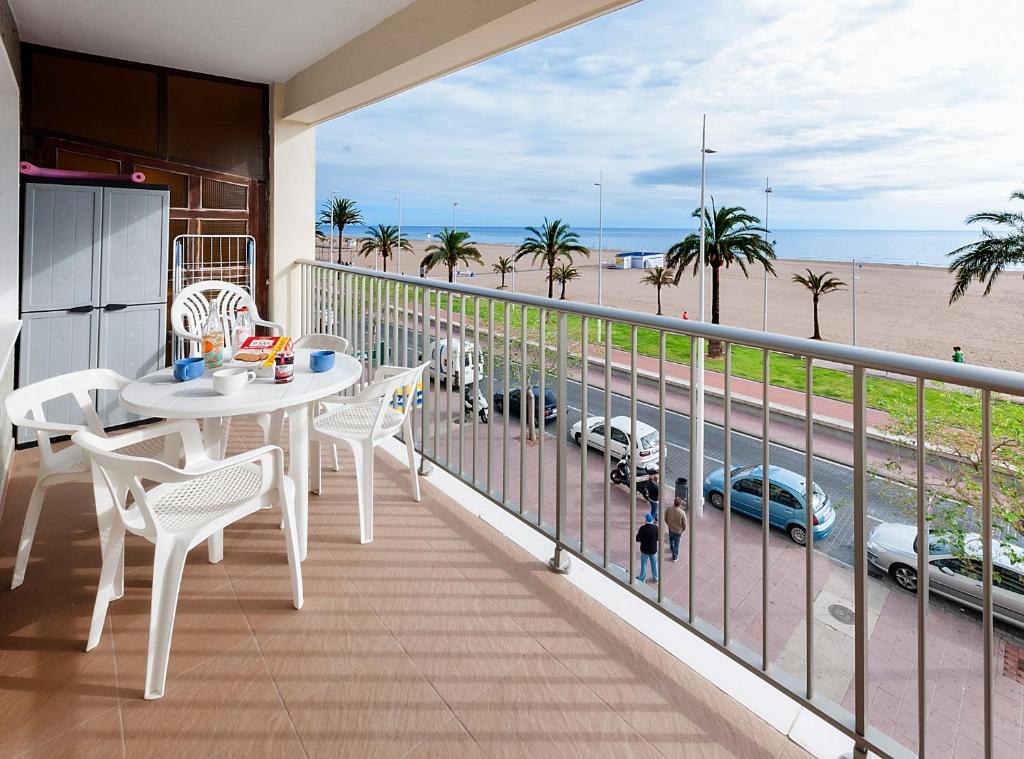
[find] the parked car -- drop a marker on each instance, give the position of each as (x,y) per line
(892,549)
(785,500)
(515,401)
(621,427)
(460,363)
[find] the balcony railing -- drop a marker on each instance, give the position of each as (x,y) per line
(816,630)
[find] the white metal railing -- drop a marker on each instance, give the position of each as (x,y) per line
(532,341)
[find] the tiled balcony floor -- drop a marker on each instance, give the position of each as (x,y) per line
(439,639)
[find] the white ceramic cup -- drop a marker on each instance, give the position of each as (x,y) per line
(231,381)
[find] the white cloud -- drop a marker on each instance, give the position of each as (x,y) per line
(889,114)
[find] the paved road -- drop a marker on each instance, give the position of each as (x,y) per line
(884,496)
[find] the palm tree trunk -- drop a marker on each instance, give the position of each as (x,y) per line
(817,331)
(715,346)
(659,300)
(384,256)
(341,230)
(562,296)
(451,272)
(551,281)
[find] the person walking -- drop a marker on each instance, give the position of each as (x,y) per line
(958,355)
(675,521)
(652,492)
(647,537)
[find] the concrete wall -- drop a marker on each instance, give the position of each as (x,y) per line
(292,209)
(9,213)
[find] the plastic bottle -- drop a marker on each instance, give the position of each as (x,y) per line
(213,339)
(243,328)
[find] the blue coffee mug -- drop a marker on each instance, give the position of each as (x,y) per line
(321,361)
(186,369)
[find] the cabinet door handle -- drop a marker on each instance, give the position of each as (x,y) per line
(80,310)
(115,307)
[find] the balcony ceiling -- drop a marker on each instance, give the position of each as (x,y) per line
(255,40)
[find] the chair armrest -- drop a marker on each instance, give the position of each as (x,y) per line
(188,440)
(274,327)
(50,427)
(267,456)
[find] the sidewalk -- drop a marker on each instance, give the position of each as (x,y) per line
(790,399)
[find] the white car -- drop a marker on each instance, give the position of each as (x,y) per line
(647,449)
(457,364)
(892,549)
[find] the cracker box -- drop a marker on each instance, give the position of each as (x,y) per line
(260,351)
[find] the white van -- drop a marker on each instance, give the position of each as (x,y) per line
(460,362)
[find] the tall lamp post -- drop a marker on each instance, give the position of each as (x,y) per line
(599,184)
(697,450)
(399,262)
(767,192)
(513,267)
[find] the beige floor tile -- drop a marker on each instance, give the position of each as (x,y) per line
(225,702)
(387,711)
(97,738)
(48,699)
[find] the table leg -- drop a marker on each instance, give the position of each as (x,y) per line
(213,440)
(298,469)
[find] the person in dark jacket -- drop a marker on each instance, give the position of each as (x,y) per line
(647,537)
(652,492)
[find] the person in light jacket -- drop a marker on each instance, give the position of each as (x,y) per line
(675,521)
(647,537)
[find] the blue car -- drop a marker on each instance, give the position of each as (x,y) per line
(785,500)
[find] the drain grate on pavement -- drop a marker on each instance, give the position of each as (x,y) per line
(1013,662)
(842,614)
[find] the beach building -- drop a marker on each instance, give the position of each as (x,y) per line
(430,624)
(638,260)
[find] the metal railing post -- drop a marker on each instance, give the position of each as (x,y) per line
(860,566)
(559,563)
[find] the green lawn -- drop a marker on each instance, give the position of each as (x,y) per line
(949,406)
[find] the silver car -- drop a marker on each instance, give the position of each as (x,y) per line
(892,549)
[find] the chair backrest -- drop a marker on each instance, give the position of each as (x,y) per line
(400,390)
(25,405)
(191,308)
(116,474)
(322,342)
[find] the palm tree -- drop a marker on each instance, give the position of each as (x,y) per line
(732,236)
(986,258)
(337,213)
(384,240)
(451,249)
(563,274)
(550,243)
(659,277)
(503,267)
(818,284)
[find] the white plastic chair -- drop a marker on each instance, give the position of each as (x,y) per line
(189,312)
(191,308)
(186,507)
(318,341)
(25,409)
(361,422)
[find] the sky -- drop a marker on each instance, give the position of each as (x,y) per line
(869,114)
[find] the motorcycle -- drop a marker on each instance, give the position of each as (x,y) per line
(475,400)
(621,474)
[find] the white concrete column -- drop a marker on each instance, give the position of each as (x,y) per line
(292,209)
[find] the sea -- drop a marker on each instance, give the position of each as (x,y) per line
(908,247)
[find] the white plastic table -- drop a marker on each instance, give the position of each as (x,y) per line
(160,395)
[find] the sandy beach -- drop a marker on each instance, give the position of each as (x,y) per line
(899,308)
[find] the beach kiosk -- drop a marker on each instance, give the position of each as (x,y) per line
(639,260)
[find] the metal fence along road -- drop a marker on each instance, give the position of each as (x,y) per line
(827,635)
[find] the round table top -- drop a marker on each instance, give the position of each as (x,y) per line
(159,394)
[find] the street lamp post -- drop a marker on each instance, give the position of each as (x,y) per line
(398,264)
(513,267)
(853,289)
(697,450)
(600,245)
(767,192)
